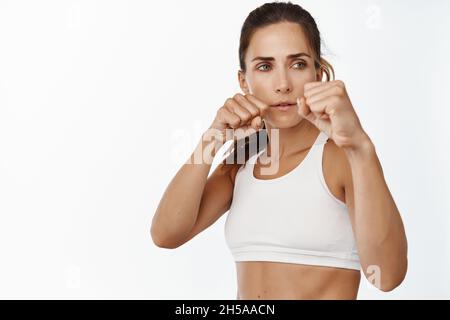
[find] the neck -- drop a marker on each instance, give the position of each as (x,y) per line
(292,140)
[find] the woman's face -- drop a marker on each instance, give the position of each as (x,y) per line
(278,64)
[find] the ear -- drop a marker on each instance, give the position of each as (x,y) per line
(242,82)
(319,74)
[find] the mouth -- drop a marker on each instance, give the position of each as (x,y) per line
(283,106)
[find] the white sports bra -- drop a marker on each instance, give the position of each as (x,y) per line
(293,218)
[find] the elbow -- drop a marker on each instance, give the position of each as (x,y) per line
(392,282)
(388,286)
(162,244)
(386,278)
(161,241)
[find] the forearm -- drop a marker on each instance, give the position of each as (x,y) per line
(178,209)
(378,225)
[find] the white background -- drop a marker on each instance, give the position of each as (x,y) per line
(102,101)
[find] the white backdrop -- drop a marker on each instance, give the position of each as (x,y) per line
(102,101)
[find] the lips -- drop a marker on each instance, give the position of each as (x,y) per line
(284,104)
(283,107)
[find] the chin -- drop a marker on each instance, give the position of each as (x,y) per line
(284,122)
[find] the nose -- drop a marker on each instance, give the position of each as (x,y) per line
(283,85)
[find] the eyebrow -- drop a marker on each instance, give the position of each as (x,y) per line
(291,56)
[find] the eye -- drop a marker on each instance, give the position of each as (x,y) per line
(302,64)
(263,65)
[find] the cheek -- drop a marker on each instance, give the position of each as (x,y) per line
(260,87)
(299,81)
(305,76)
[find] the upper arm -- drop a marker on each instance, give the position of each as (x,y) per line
(347,182)
(338,172)
(216,198)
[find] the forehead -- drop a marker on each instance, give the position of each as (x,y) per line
(278,40)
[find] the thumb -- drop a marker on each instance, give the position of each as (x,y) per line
(256,123)
(322,123)
(303,110)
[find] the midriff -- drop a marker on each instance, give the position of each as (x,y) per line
(275,280)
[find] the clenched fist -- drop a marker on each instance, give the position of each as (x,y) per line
(243,112)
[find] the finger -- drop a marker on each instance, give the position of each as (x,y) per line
(319,88)
(240,111)
(230,118)
(313,84)
(244,102)
(304,111)
(326,105)
(263,107)
(328,84)
(321,122)
(256,123)
(322,94)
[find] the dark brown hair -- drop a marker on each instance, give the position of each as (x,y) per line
(265,15)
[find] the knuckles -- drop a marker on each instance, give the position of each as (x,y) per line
(247,116)
(235,123)
(232,114)
(339,90)
(229,101)
(340,84)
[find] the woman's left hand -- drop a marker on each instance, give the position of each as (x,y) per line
(328,107)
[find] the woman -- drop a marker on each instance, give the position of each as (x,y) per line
(310,210)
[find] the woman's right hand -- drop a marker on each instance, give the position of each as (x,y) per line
(243,112)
